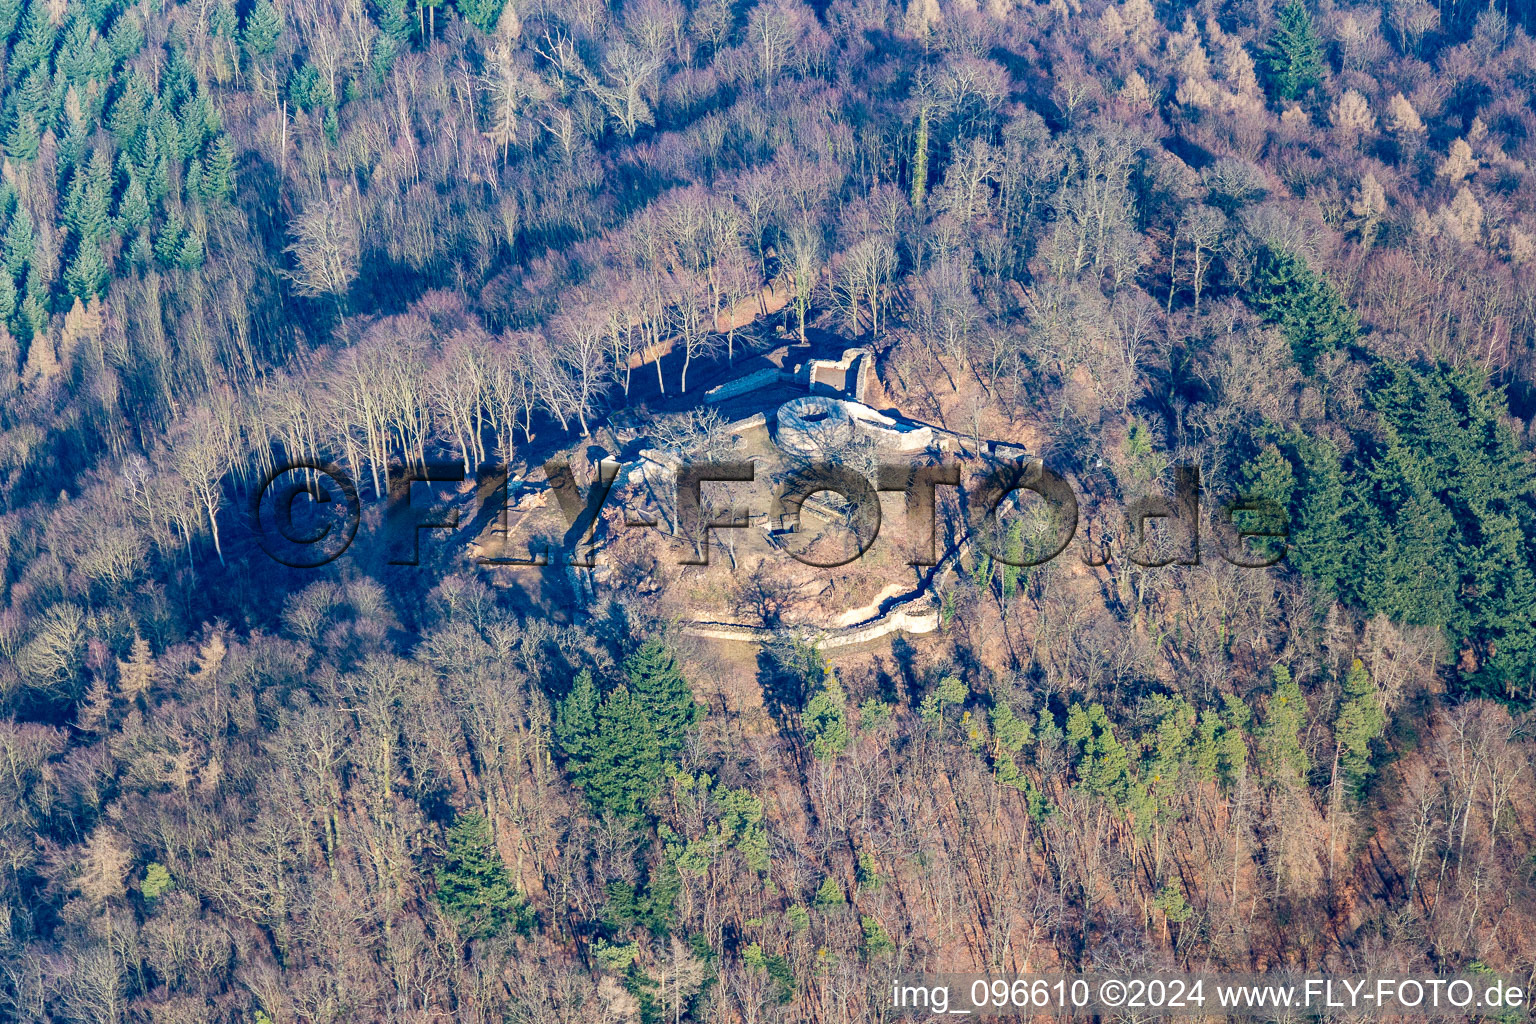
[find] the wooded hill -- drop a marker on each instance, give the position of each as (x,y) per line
(1290,243)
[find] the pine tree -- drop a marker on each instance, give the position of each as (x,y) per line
(219,171)
(1285,291)
(474,887)
(10,17)
(1103,767)
(23,140)
(178,82)
(196,124)
(126,37)
(18,242)
(1269,481)
(86,208)
(575,723)
(658,683)
(224,23)
(1285,717)
(395,20)
(1320,538)
(76,59)
(826,719)
(168,242)
(1361,721)
(35,46)
(625,768)
(1293,60)
(482,14)
(192,179)
(129,114)
(263,27)
(88,273)
(133,207)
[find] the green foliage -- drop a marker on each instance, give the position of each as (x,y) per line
(616,747)
(305,89)
(868,872)
(157,881)
(126,37)
(874,712)
(1445,514)
(797,917)
(1009,731)
(474,887)
(1432,522)
(615,957)
(739,826)
(1362,719)
(1293,61)
(575,720)
(1281,756)
(653,906)
(877,941)
(623,770)
(950,692)
(133,207)
(826,719)
(10,17)
(1100,761)
(18,242)
(1320,542)
(776,967)
(23,139)
(1170,900)
(1307,308)
(263,28)
(1268,480)
(659,685)
(88,272)
(741,823)
(219,171)
(482,14)
(829,894)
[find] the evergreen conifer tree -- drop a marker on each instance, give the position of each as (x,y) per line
(219,171)
(575,723)
(23,140)
(1293,60)
(474,887)
(263,27)
(18,242)
(35,46)
(1361,720)
(826,719)
(133,207)
(1320,539)
(126,37)
(1268,481)
(1310,311)
(482,14)
(624,770)
(88,273)
(168,243)
(10,18)
(1285,716)
(658,683)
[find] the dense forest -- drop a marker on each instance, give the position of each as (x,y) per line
(1289,242)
